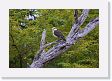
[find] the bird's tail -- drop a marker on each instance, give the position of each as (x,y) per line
(62,37)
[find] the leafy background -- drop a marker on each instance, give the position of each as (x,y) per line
(24,41)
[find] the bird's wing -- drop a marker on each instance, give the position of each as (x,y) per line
(59,34)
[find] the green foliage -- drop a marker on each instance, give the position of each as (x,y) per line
(24,42)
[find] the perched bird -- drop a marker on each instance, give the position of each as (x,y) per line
(58,34)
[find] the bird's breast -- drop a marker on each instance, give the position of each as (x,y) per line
(54,34)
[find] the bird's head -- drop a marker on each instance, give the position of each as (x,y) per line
(54,28)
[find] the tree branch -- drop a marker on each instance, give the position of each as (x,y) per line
(49,44)
(76,15)
(62,46)
(42,47)
(89,27)
(76,26)
(42,43)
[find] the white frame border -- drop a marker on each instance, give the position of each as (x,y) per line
(102,71)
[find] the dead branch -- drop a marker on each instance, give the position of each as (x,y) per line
(76,26)
(90,26)
(62,46)
(76,15)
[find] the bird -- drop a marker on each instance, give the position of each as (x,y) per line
(57,33)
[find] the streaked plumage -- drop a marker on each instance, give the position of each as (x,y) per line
(57,33)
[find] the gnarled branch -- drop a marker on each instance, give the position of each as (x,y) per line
(76,26)
(90,26)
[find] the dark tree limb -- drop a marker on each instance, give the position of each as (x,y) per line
(76,15)
(62,46)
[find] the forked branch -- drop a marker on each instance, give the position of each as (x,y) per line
(89,27)
(43,56)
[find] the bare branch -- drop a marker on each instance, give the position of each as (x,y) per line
(83,16)
(62,46)
(90,26)
(42,46)
(76,15)
(46,45)
(76,26)
(42,43)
